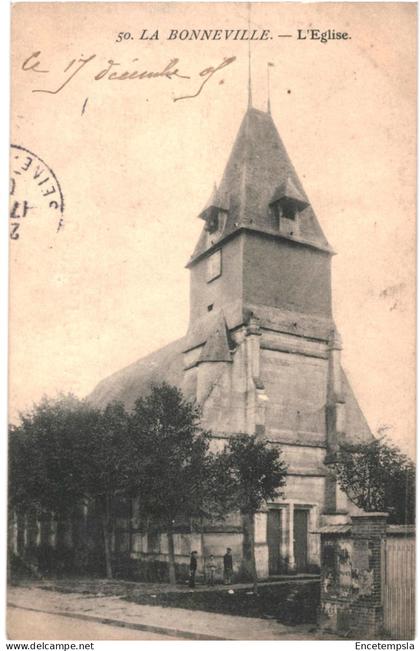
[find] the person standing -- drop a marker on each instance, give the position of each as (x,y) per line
(193,568)
(211,570)
(228,566)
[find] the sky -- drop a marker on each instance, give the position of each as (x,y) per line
(108,285)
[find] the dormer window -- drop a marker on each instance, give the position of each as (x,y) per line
(214,214)
(215,221)
(212,224)
(289,210)
(287,203)
(287,218)
(215,225)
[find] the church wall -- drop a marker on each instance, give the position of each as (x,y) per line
(305,459)
(225,289)
(293,344)
(205,544)
(290,276)
(305,489)
(294,372)
(225,394)
(296,387)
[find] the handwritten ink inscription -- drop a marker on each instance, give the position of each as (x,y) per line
(115,71)
(34,190)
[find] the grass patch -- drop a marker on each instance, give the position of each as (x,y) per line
(290,604)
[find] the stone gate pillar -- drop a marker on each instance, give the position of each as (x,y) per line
(351,576)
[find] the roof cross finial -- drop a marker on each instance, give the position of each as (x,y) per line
(249,59)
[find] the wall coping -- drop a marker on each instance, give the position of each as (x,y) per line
(374,514)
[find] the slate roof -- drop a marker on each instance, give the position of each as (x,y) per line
(356,427)
(257,167)
(135,380)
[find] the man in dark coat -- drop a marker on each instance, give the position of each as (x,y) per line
(228,566)
(193,568)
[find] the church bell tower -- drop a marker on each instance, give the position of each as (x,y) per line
(262,354)
(262,249)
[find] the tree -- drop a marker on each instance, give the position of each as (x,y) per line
(64,453)
(43,462)
(377,476)
(247,473)
(173,461)
(44,467)
(107,470)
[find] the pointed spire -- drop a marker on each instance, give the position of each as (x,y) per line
(258,173)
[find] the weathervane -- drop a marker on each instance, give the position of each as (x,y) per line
(269,65)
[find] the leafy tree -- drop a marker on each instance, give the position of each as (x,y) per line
(377,476)
(64,453)
(247,473)
(44,472)
(173,461)
(43,465)
(107,469)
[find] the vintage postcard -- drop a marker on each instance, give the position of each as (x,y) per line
(212,331)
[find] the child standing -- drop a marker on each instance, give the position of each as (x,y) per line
(211,570)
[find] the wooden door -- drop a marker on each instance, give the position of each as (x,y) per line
(273,541)
(300,543)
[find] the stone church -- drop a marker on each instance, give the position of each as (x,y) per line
(261,355)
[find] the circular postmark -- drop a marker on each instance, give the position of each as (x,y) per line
(34,191)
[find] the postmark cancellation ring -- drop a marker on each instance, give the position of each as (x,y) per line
(34,190)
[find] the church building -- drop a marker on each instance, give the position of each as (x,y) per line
(261,356)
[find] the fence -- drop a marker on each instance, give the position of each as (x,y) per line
(398,581)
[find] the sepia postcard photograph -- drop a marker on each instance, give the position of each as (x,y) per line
(211,349)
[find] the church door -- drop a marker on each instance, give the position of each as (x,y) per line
(273,540)
(300,535)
